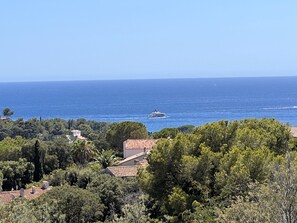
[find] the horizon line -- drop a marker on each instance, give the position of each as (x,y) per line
(144,79)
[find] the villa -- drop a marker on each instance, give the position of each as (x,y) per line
(135,146)
(77,134)
(135,153)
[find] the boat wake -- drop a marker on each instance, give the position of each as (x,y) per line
(158,117)
(281,108)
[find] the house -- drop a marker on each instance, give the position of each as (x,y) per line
(122,171)
(135,153)
(136,159)
(294,132)
(29,194)
(135,146)
(77,133)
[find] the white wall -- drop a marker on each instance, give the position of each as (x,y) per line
(131,152)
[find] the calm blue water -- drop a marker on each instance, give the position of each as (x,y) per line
(186,101)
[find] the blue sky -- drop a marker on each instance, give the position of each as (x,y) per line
(125,39)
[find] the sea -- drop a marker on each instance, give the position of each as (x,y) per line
(185,101)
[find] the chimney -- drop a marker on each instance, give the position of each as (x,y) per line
(33,190)
(45,185)
(22,192)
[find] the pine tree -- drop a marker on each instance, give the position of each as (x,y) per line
(38,173)
(7,112)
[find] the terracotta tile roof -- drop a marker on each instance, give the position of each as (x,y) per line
(140,143)
(7,196)
(294,132)
(122,171)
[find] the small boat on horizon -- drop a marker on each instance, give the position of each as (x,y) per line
(157,114)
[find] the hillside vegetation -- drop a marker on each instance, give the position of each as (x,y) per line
(226,171)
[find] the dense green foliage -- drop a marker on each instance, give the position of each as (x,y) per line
(39,149)
(29,149)
(272,202)
(22,211)
(16,174)
(107,158)
(78,205)
(239,171)
(49,129)
(210,167)
(172,132)
(119,132)
(84,151)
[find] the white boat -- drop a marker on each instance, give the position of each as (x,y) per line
(157,114)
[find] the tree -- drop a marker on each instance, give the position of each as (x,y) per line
(74,175)
(200,214)
(112,192)
(55,126)
(177,201)
(240,168)
(186,128)
(16,174)
(166,133)
(38,172)
(7,112)
(135,213)
(120,132)
(10,148)
(32,129)
(78,205)
(254,133)
(107,158)
(60,148)
(179,173)
(162,174)
(219,136)
(79,176)
(83,151)
(198,173)
(23,211)
(85,129)
(247,133)
(273,202)
(214,164)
